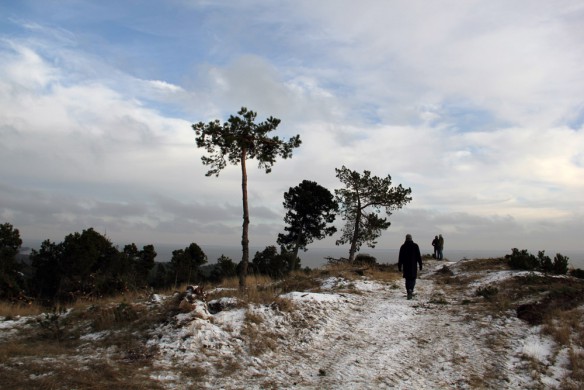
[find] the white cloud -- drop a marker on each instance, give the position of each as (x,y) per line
(473,105)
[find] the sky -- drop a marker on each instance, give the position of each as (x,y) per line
(475,105)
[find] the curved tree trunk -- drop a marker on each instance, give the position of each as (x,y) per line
(245,235)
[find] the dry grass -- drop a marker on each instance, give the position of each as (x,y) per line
(378,272)
(260,289)
(577,367)
(229,366)
(194,373)
(299,281)
(480,265)
(113,315)
(284,305)
(258,339)
(45,364)
(250,281)
(70,374)
(128,296)
(12,310)
(49,353)
(252,317)
(30,348)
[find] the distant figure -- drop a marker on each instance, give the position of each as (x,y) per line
(435,244)
(440,247)
(409,258)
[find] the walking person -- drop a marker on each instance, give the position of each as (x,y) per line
(435,244)
(440,247)
(409,258)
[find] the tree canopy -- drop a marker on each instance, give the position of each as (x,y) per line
(311,208)
(88,264)
(186,263)
(361,202)
(10,281)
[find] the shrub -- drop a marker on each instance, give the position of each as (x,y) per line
(53,324)
(364,258)
(545,263)
(521,259)
(277,265)
(560,264)
(487,292)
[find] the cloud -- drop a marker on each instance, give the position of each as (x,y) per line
(476,106)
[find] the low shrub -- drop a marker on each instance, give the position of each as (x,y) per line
(487,292)
(52,324)
(363,258)
(522,259)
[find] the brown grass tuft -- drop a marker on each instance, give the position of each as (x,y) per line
(479,265)
(12,310)
(284,304)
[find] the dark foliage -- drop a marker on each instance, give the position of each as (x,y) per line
(363,258)
(270,262)
(11,280)
(225,268)
(522,259)
(311,208)
(87,264)
(186,262)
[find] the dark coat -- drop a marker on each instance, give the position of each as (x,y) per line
(436,243)
(409,258)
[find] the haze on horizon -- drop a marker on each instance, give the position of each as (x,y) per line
(475,105)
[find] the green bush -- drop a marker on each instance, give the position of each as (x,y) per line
(560,264)
(521,259)
(364,258)
(545,263)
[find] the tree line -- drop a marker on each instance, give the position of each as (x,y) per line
(87,265)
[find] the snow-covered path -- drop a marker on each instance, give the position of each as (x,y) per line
(389,342)
(380,340)
(364,334)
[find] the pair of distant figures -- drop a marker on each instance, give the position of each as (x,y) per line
(438,244)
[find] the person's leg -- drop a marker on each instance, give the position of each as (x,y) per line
(410,284)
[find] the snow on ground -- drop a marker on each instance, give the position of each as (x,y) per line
(371,339)
(357,334)
(8,328)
